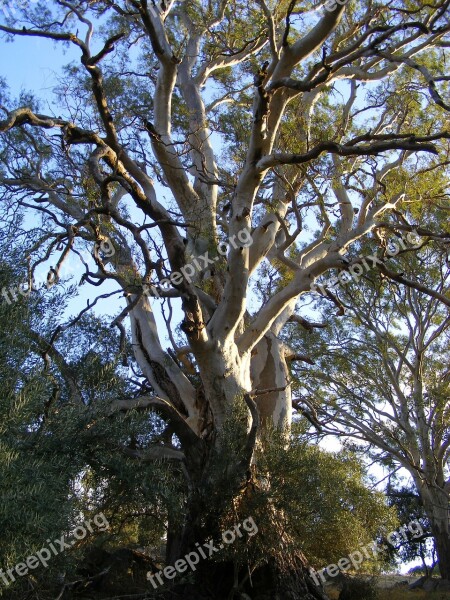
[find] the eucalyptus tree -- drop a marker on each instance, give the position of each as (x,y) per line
(408,504)
(381,376)
(187,125)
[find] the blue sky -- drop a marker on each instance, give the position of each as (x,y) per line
(32,64)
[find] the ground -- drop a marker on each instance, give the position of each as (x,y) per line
(389,589)
(400,594)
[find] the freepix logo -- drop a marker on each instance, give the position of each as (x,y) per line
(55,547)
(14,292)
(331,5)
(355,271)
(205,551)
(242,239)
(355,559)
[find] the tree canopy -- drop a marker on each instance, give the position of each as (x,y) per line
(219,162)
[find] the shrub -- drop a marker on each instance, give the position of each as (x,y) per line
(356,588)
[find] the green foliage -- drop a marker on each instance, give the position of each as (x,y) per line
(331,509)
(409,507)
(34,499)
(315,501)
(61,458)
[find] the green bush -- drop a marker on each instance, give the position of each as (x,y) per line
(356,588)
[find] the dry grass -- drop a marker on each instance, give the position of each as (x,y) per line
(410,595)
(399,594)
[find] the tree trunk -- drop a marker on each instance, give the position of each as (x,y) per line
(223,580)
(442,542)
(283,575)
(268,582)
(436,504)
(249,392)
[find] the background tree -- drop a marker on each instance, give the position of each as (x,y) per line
(408,504)
(329,498)
(381,376)
(257,122)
